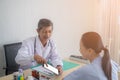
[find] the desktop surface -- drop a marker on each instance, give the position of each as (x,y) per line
(65,72)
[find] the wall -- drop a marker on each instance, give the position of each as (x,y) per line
(71,18)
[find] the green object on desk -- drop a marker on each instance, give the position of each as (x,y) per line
(68,65)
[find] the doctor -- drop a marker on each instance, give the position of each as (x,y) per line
(39,49)
(100,67)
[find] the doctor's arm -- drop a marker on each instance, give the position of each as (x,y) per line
(39,59)
(25,55)
(56,59)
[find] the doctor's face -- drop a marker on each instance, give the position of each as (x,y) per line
(45,33)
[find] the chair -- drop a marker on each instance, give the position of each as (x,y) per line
(10,54)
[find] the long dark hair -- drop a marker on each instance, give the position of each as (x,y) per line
(94,41)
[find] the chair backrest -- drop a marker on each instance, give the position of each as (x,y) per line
(10,54)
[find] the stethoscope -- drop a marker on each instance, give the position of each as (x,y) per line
(35,46)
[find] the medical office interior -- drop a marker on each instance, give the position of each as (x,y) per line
(71,18)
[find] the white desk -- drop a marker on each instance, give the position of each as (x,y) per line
(28,72)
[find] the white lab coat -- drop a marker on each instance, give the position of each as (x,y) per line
(25,56)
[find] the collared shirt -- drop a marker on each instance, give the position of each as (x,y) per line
(31,46)
(92,71)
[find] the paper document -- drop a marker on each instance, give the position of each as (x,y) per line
(51,68)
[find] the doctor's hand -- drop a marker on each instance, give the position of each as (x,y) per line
(59,67)
(40,59)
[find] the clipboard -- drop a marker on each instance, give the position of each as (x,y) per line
(51,68)
(43,71)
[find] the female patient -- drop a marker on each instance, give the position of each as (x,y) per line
(100,67)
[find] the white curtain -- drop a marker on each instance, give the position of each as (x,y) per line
(108,26)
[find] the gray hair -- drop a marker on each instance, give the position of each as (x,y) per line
(44,23)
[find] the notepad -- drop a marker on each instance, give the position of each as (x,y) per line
(51,68)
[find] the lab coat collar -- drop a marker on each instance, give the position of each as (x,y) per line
(39,41)
(44,50)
